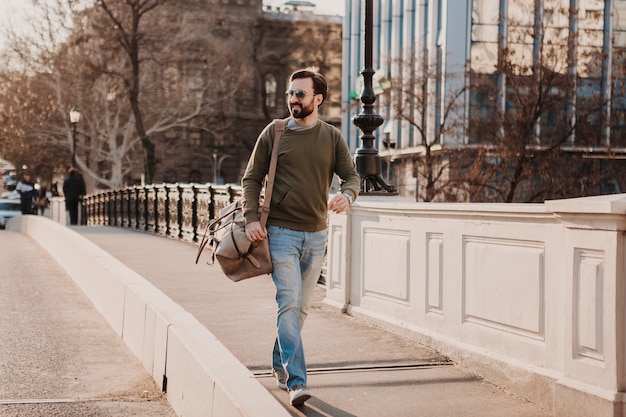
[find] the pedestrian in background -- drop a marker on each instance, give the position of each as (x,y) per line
(44,201)
(73,190)
(28,195)
(310,152)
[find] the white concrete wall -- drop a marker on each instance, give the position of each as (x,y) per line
(57,210)
(203,377)
(530,295)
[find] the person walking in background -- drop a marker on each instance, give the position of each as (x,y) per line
(310,152)
(43,200)
(73,190)
(28,195)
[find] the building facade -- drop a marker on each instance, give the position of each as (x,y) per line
(268,44)
(475,53)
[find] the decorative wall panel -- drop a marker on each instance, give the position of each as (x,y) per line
(434,273)
(338,249)
(588,280)
(504,285)
(379,279)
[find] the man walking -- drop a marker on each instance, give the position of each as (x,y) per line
(28,195)
(310,152)
(74,190)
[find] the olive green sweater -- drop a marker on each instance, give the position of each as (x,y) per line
(306,163)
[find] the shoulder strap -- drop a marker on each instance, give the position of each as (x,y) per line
(279,128)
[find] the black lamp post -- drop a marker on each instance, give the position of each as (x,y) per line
(74,119)
(368,163)
(217,163)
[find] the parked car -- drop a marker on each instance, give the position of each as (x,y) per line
(10,183)
(10,195)
(9,208)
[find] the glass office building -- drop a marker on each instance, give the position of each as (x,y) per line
(460,45)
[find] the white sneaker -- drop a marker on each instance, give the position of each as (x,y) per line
(298,395)
(281,378)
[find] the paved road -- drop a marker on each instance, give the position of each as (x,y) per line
(58,357)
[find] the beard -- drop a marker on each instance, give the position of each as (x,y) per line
(299,111)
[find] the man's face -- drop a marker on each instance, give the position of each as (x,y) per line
(301,107)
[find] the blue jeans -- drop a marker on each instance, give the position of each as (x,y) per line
(297,258)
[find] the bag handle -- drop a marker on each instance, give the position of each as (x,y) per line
(216,224)
(212,227)
(279,128)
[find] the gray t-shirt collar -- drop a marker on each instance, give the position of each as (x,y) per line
(292,125)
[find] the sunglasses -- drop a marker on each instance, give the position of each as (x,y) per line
(298,93)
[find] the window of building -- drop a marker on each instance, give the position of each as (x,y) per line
(589,109)
(194,139)
(618,128)
(555,30)
(590,39)
(519,36)
(554,116)
(483,62)
(171,78)
(482,105)
(484,50)
(270,91)
(619,24)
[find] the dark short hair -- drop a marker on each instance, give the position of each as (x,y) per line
(320,86)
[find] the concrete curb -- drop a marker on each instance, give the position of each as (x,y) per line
(201,376)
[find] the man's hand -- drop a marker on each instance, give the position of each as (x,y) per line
(255,232)
(339,203)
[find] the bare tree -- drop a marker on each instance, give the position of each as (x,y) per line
(185,79)
(417,102)
(126,18)
(519,128)
(24,138)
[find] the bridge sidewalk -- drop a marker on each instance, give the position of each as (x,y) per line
(354,369)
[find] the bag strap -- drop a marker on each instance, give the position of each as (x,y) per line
(279,128)
(217,224)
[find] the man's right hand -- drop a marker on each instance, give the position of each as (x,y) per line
(255,232)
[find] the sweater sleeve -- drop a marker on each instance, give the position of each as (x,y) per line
(345,168)
(256,170)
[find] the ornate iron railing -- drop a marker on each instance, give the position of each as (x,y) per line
(181,211)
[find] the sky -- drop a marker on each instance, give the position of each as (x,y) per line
(15,13)
(332,7)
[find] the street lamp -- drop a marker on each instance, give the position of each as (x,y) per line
(74,119)
(367,160)
(217,163)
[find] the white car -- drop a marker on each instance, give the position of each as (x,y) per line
(10,195)
(9,183)
(8,208)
